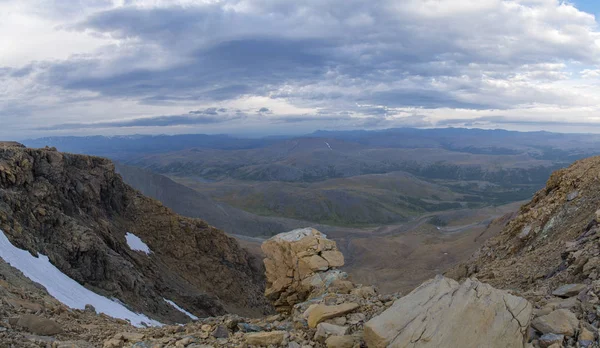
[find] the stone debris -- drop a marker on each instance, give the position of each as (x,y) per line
(324,308)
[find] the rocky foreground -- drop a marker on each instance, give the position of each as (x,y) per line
(537,284)
(318,306)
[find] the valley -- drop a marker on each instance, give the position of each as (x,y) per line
(402,204)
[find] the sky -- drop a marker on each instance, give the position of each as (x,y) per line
(255,67)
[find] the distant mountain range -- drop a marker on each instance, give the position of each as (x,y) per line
(543,145)
(345,178)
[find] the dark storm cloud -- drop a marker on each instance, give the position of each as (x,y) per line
(208,116)
(256,62)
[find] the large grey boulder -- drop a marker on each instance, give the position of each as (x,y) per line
(444,313)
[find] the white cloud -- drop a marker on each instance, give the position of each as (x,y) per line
(104,61)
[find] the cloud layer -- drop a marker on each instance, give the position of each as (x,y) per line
(149,66)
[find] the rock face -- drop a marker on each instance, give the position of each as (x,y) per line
(76,210)
(296,263)
(444,313)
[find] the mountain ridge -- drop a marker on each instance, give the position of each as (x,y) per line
(76,210)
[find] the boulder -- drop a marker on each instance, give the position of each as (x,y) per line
(569,290)
(38,325)
(443,313)
(297,263)
(266,338)
(560,321)
(323,312)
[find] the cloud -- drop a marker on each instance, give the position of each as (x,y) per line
(264,111)
(198,117)
(503,120)
(369,64)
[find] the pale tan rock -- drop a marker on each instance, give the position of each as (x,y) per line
(560,321)
(265,338)
(340,342)
(323,312)
(315,263)
(310,308)
(333,257)
(586,337)
(297,263)
(113,343)
(438,312)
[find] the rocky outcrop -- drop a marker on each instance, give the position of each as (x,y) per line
(444,313)
(299,262)
(76,210)
(550,253)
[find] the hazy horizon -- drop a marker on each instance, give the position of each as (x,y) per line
(299,134)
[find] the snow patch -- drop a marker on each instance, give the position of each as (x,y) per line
(193,317)
(135,243)
(60,286)
(329,146)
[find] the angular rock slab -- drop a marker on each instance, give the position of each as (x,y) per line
(569,290)
(444,313)
(560,321)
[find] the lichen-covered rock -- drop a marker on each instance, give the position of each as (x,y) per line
(444,313)
(266,338)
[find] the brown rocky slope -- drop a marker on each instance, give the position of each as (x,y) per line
(76,210)
(550,252)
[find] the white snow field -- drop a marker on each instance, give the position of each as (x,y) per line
(135,243)
(63,288)
(181,309)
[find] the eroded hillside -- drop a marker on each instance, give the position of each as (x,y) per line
(77,211)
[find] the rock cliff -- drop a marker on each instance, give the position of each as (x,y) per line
(77,211)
